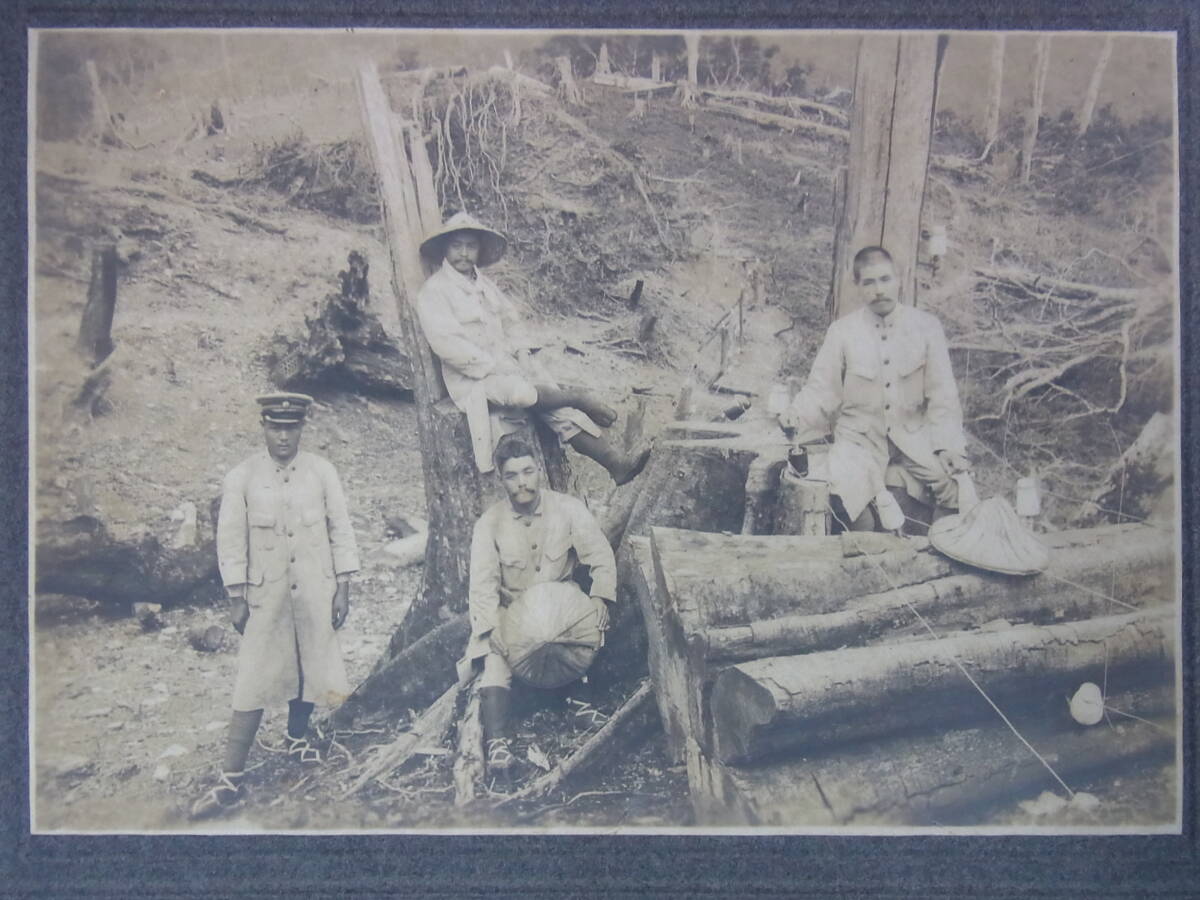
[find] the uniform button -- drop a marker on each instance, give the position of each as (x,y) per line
(291,534)
(887,384)
(884,338)
(285,478)
(887,362)
(534,546)
(537,568)
(887,406)
(293,559)
(527,524)
(293,587)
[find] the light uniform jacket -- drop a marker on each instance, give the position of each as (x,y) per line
(472,327)
(285,533)
(476,331)
(880,378)
(511,552)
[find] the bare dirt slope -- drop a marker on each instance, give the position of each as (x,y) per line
(129,723)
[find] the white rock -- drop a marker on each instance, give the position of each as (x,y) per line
(215,725)
(1085,802)
(1046,804)
(1087,706)
(173,751)
(186,535)
(162,772)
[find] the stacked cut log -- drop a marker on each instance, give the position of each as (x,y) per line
(795,678)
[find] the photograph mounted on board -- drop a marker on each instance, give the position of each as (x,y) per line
(562,430)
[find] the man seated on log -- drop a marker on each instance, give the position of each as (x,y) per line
(286,550)
(884,372)
(534,536)
(472,327)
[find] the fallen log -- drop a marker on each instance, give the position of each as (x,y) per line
(627,725)
(409,678)
(793,703)
(719,579)
(955,777)
(1036,285)
(1132,564)
(345,338)
(789,104)
(469,763)
(775,120)
(430,728)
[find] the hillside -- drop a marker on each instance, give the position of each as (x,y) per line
(217,271)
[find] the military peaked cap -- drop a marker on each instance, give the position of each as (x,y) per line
(284,408)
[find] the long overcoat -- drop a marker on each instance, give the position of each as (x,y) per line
(284,532)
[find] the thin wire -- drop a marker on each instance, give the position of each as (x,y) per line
(966,674)
(1108,709)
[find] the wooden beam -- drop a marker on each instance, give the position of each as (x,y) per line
(794,704)
(895,88)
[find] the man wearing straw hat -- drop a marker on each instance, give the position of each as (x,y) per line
(883,372)
(473,328)
(532,539)
(286,550)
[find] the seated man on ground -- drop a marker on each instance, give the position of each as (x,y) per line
(472,328)
(535,536)
(883,375)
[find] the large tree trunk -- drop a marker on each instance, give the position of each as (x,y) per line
(954,777)
(1041,62)
(891,126)
(1093,89)
(455,491)
(696,478)
(801,703)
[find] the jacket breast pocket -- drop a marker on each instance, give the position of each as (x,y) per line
(514,561)
(558,546)
(262,531)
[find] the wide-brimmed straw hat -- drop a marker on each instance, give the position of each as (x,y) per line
(492,243)
(550,634)
(990,536)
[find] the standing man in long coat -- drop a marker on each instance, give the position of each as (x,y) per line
(883,375)
(476,332)
(286,551)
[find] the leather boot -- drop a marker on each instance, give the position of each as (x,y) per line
(622,467)
(494,705)
(556,398)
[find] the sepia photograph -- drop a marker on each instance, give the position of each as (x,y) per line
(710,431)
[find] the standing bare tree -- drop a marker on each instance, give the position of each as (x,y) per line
(1093,92)
(995,92)
(1041,62)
